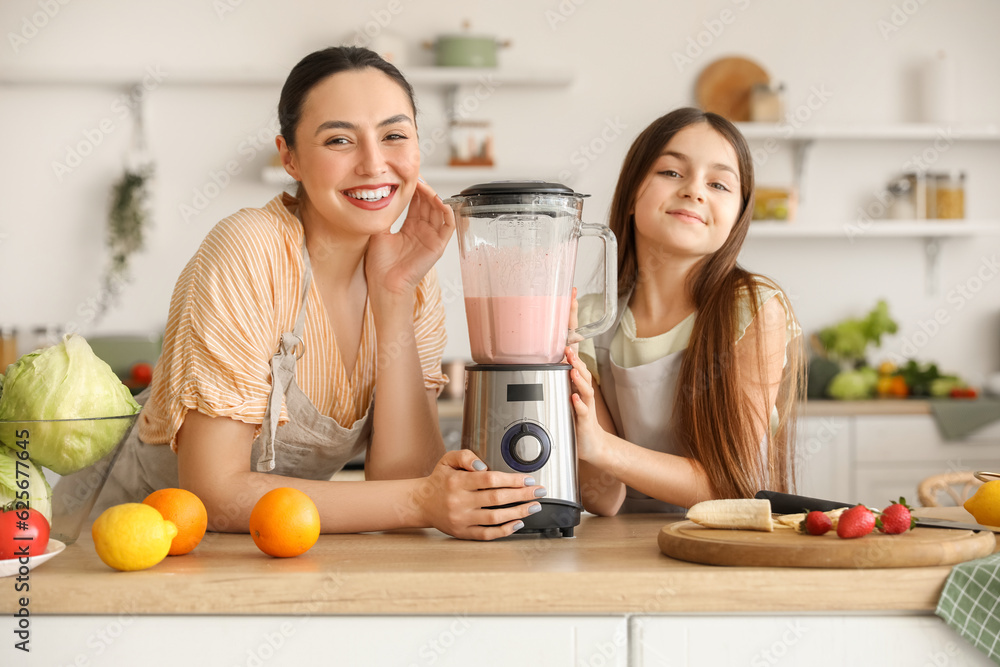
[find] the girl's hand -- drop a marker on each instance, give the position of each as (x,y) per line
(589,432)
(396,263)
(454,497)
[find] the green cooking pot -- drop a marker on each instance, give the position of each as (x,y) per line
(466,51)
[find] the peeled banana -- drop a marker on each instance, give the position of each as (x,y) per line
(733,513)
(793,520)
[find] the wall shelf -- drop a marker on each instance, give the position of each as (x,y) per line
(467,76)
(877,131)
(933,232)
(444,77)
(128,77)
(802,139)
(878,229)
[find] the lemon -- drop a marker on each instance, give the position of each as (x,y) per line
(132,536)
(985,504)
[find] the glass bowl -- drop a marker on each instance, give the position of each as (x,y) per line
(74,493)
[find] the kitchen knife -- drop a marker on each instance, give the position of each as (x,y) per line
(786,503)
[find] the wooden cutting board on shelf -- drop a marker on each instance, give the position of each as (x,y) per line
(724,86)
(920,547)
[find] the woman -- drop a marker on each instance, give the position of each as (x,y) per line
(288,317)
(691,395)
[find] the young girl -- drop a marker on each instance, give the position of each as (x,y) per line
(690,396)
(290,316)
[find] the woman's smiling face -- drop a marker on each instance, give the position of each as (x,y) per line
(356,151)
(690,200)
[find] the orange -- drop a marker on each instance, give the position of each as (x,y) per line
(284,523)
(186,511)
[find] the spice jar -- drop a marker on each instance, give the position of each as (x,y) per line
(766,103)
(930,194)
(901,203)
(8,347)
(918,194)
(950,191)
(44,336)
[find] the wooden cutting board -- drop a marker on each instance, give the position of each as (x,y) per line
(724,86)
(920,547)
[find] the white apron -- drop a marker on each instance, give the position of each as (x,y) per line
(640,400)
(310,446)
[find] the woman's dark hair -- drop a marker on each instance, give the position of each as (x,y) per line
(316,67)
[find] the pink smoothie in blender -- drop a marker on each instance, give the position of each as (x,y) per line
(518,329)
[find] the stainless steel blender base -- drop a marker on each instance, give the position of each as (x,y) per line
(518,418)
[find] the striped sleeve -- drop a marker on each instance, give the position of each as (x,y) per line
(429,331)
(220,334)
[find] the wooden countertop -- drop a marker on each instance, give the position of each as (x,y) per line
(612,566)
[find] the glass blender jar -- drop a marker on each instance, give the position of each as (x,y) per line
(517,247)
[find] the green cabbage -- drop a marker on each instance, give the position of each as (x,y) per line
(39,492)
(65,382)
(853,385)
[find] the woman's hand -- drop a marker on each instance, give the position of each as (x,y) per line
(396,263)
(454,497)
(589,432)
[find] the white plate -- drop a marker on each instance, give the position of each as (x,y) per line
(10,566)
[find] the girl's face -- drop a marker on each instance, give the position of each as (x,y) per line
(690,200)
(356,151)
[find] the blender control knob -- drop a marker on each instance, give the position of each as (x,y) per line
(528,448)
(525,447)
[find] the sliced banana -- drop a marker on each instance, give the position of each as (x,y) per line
(793,520)
(733,513)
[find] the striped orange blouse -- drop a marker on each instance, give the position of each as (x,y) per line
(232,302)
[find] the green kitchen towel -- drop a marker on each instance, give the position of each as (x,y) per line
(970,603)
(957,418)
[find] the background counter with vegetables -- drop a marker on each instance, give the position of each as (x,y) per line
(874,426)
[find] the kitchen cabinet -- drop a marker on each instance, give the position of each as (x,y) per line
(455,640)
(815,640)
(862,456)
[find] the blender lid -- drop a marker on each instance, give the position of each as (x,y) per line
(519,188)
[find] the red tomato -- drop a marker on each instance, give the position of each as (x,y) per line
(963,392)
(142,374)
(23,532)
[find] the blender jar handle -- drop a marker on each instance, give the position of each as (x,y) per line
(610,282)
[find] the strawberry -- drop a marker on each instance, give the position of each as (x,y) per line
(856,522)
(815,523)
(896,518)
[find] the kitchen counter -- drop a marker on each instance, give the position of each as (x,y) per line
(613,566)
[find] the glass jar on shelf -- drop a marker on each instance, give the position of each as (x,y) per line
(43,336)
(8,347)
(918,194)
(901,200)
(950,200)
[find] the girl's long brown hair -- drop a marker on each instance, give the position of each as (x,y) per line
(716,417)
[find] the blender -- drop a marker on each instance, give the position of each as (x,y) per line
(517,245)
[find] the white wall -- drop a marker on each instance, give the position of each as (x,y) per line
(624,55)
